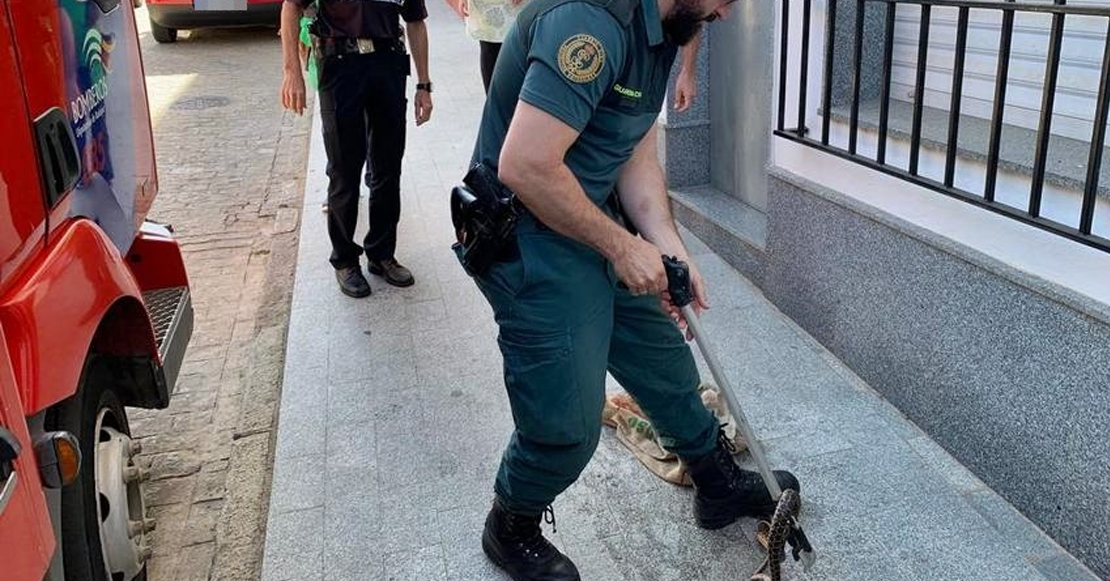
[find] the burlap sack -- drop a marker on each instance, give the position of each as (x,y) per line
(636,433)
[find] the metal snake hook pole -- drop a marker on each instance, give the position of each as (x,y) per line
(678,279)
(734,406)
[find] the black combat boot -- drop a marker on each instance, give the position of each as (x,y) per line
(515,543)
(725,492)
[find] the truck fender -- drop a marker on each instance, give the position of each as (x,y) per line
(79,298)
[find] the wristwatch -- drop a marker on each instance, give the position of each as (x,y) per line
(424,86)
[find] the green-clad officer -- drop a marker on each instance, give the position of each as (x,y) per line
(569,121)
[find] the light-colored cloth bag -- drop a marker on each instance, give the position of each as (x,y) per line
(635,431)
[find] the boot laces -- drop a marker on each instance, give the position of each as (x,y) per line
(735,477)
(529,536)
(726,443)
(549,517)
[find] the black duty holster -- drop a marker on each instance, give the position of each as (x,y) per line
(484,212)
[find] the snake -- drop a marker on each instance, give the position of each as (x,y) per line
(772,536)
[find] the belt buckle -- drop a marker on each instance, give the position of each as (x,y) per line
(364,45)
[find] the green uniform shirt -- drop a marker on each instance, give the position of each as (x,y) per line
(602,72)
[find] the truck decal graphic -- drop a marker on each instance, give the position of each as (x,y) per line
(96,47)
(101,114)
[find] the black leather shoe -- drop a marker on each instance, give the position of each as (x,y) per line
(725,492)
(351,282)
(392,271)
(515,543)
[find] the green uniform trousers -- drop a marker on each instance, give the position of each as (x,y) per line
(564,321)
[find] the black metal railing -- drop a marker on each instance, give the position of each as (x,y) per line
(1079,230)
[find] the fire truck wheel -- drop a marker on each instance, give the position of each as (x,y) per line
(105,532)
(162,34)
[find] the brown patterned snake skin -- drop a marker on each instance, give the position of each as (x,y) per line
(772,536)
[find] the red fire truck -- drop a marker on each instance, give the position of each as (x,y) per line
(95,311)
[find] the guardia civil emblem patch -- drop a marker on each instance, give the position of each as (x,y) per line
(581,58)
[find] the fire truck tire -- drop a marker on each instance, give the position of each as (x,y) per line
(162,34)
(95,414)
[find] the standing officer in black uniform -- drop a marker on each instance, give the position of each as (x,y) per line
(363,67)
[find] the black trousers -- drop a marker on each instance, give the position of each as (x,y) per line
(488,58)
(362,110)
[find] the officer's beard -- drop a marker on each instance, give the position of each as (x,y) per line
(684,22)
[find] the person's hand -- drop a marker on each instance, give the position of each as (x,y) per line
(685,90)
(700,304)
(292,91)
(639,265)
(423,106)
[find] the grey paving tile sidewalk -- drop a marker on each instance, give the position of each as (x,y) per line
(393,417)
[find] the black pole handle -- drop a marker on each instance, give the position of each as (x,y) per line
(678,281)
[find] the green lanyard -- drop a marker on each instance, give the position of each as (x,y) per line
(311,73)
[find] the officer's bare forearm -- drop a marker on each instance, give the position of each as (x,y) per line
(690,56)
(532,165)
(418,45)
(291,37)
(553,194)
(643,192)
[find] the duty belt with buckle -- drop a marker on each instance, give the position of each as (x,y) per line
(339,46)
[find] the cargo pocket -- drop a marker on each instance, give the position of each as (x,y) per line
(500,285)
(543,391)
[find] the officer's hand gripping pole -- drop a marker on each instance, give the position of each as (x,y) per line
(785,519)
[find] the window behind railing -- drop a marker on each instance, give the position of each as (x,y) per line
(1000,104)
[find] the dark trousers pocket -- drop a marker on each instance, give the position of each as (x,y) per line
(541,380)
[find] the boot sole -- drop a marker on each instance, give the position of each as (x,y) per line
(712,516)
(400,283)
(353,294)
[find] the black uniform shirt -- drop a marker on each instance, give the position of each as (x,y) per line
(366,18)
